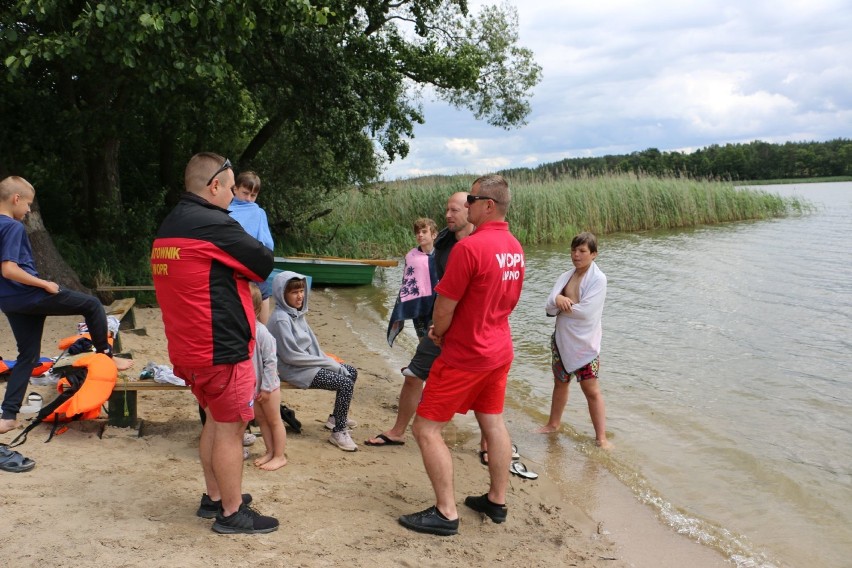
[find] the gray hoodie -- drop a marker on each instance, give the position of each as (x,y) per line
(299,355)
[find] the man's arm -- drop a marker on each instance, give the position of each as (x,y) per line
(11,271)
(442,317)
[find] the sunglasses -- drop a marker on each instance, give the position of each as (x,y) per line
(222,168)
(473,198)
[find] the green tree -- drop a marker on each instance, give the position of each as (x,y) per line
(103,103)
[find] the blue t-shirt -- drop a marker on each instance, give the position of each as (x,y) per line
(15,246)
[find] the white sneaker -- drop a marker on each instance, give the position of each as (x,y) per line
(343,441)
(249,439)
(332,422)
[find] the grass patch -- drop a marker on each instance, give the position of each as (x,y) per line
(377,223)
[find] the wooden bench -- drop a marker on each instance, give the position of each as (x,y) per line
(121,405)
(123,309)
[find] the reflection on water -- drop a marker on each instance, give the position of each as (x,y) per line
(726,367)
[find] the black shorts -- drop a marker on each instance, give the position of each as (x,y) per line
(423,358)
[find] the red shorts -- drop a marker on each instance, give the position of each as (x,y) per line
(227,391)
(452,391)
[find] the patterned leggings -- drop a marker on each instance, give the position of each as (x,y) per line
(345,387)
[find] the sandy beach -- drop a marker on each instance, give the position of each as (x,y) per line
(127,500)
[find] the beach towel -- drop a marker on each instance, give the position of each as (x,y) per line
(416,295)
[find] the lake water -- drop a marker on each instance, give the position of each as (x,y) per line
(727,370)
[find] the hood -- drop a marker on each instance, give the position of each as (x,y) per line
(240,204)
(278,286)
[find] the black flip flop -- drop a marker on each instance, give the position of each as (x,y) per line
(13,461)
(385,442)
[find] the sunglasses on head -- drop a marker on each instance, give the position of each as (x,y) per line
(222,168)
(473,198)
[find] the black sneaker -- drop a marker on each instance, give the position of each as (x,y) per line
(210,508)
(430,521)
(496,513)
(245,521)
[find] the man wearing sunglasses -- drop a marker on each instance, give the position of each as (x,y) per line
(417,371)
(202,261)
(480,288)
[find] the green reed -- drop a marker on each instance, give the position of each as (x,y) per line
(378,222)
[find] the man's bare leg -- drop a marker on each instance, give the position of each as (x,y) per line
(122,364)
(438,463)
(205,452)
(597,411)
(499,446)
(221,451)
(557,407)
(409,398)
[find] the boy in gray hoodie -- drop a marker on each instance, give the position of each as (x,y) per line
(302,363)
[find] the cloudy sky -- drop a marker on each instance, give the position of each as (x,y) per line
(622,75)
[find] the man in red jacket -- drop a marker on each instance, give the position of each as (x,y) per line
(202,261)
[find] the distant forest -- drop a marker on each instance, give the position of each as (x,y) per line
(753,161)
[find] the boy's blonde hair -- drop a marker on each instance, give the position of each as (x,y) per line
(256,298)
(424,222)
(15,184)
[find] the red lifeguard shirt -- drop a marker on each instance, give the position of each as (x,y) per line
(484,275)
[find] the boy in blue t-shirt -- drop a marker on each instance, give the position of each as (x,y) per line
(27,299)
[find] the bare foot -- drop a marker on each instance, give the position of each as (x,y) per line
(262,460)
(122,364)
(7,425)
(274,463)
(604,444)
(547,429)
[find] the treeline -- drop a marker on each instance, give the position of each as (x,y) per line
(753,161)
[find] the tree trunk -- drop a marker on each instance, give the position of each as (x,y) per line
(260,139)
(104,204)
(48,261)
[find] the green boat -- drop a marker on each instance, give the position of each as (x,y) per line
(328,272)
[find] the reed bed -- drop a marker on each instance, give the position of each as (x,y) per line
(378,222)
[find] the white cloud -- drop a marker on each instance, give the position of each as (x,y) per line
(621,76)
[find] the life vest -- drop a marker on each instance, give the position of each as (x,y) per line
(86,401)
(82,391)
(44,364)
(67,342)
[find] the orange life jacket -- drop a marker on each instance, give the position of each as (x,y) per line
(43,366)
(67,342)
(86,403)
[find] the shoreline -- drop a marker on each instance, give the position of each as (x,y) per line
(127,500)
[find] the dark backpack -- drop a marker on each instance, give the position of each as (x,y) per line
(289,418)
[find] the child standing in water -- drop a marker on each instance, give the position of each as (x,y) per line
(302,363)
(267,402)
(577,302)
